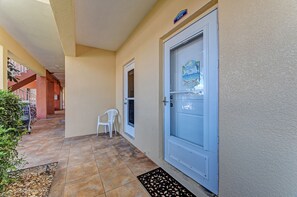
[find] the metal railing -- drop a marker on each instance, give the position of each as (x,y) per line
(28,96)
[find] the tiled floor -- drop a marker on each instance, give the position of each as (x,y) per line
(88,166)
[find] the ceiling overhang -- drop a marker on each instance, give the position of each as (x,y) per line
(64,16)
(107,24)
(32,25)
(49,30)
(18,53)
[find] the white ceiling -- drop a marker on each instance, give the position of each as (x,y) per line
(106,24)
(32,24)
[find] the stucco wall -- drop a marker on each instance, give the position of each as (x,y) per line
(257,107)
(90,89)
(3,67)
(258,69)
(144,46)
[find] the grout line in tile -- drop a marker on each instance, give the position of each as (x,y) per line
(101,180)
(119,186)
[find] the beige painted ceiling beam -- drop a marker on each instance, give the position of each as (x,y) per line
(15,48)
(65,19)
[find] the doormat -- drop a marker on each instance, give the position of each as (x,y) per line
(159,183)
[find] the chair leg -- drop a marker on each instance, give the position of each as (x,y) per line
(115,128)
(110,130)
(97,129)
(29,126)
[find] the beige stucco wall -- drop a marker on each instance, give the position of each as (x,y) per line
(3,67)
(90,89)
(144,46)
(258,108)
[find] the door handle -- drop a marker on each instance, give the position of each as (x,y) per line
(165,101)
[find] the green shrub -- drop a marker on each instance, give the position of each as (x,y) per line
(8,155)
(10,111)
(10,135)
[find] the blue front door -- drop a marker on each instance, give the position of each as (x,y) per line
(191,101)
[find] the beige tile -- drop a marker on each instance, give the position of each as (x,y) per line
(133,160)
(81,171)
(63,163)
(139,168)
(109,162)
(87,147)
(60,177)
(57,190)
(134,189)
(81,143)
(112,153)
(116,177)
(88,187)
(88,165)
(64,154)
(111,150)
(66,146)
(80,159)
(81,148)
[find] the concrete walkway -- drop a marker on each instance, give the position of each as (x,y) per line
(89,165)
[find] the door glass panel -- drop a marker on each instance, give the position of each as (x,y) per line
(131,113)
(187,90)
(131,97)
(131,83)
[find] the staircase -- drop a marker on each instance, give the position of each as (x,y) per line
(24,75)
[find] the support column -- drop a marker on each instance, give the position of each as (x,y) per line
(57,96)
(50,98)
(3,68)
(41,97)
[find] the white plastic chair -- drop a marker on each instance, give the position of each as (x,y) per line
(111,123)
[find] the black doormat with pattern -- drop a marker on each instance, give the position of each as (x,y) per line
(159,183)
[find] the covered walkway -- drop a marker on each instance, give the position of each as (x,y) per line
(88,165)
